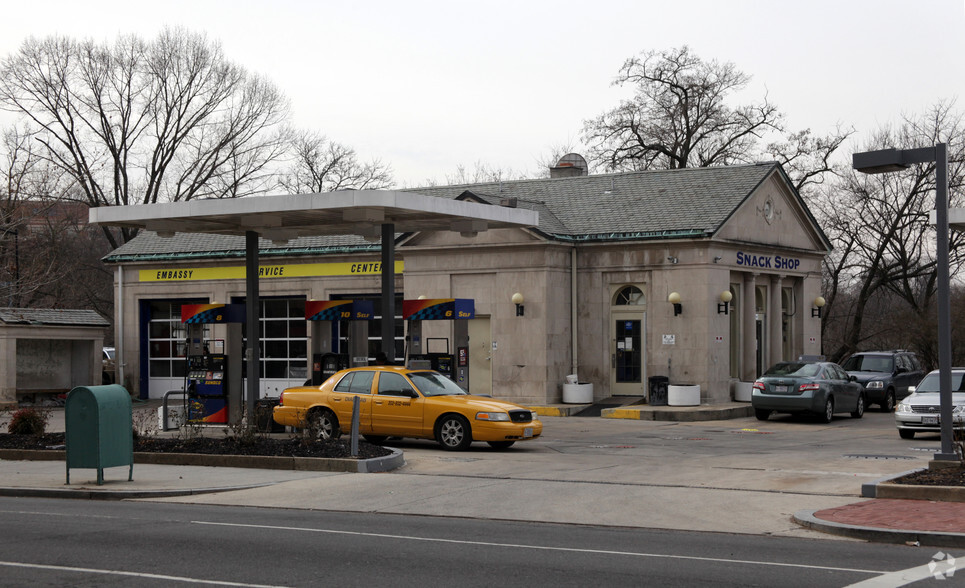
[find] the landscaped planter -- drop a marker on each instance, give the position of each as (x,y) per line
(581,393)
(683,395)
(743,391)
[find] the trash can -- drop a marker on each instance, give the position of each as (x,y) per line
(264,407)
(658,390)
(99,429)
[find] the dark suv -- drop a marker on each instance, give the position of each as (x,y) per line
(885,375)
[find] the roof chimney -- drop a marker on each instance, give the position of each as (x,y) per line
(570,165)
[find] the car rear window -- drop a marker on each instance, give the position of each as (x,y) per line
(803,370)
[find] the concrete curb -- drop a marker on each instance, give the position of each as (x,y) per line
(558,411)
(887,488)
(87,494)
(679,414)
(806,518)
(645,412)
(394,460)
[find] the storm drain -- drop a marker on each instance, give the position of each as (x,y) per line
(871,456)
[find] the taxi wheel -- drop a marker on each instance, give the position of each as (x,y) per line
(323,425)
(500,444)
(453,432)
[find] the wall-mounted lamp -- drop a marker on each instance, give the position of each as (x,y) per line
(818,303)
(674,299)
(723,306)
(672,259)
(518,301)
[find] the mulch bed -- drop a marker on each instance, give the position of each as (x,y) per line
(935,477)
(255,445)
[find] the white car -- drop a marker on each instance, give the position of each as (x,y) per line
(921,412)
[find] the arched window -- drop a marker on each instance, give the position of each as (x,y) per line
(630,296)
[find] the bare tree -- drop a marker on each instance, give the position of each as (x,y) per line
(883,239)
(320,165)
(807,158)
(679,117)
(32,190)
(140,122)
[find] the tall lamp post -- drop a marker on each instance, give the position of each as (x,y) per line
(889,160)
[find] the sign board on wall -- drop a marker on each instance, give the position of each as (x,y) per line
(339,310)
(438,309)
(294,270)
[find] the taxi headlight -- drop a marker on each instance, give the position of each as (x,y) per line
(875,385)
(534,414)
(904,408)
(492,416)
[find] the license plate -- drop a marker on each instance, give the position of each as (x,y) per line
(527,432)
(780,388)
(929,420)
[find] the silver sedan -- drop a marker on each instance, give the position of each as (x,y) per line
(921,412)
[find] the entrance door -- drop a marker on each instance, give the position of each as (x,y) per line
(480,356)
(628,356)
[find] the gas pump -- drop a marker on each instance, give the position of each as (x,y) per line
(440,359)
(324,366)
(213,391)
(434,352)
(208,388)
(321,313)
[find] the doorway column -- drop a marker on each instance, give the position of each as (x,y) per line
(775,335)
(749,329)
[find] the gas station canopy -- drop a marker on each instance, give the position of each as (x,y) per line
(373,214)
(345,212)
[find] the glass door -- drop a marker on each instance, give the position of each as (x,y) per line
(627,354)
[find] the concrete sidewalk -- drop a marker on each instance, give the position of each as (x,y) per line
(537,483)
(509,496)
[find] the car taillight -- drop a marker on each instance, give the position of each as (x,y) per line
(281,398)
(759,386)
(811,386)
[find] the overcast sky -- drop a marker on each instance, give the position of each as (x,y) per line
(427,86)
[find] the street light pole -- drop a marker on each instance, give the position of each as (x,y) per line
(888,160)
(944,305)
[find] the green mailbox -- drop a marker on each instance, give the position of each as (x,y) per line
(99,431)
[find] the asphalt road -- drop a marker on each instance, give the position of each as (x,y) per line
(71,542)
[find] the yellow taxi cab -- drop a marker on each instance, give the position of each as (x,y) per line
(402,402)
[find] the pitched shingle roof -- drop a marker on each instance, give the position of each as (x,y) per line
(692,202)
(52,316)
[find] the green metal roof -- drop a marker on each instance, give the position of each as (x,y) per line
(644,205)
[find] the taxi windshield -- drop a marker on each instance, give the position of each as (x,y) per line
(435,384)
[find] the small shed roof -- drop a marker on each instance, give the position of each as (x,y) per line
(52,316)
